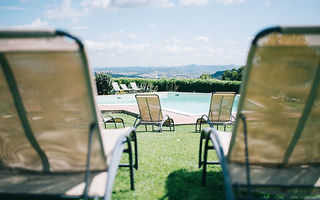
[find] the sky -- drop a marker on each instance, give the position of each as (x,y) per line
(121,33)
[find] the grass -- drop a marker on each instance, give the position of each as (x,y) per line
(168,167)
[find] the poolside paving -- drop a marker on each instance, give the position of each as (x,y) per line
(179,118)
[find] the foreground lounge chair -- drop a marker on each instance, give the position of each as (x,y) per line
(125,88)
(275,142)
(116,87)
(151,113)
(108,119)
(51,142)
(220,113)
(135,87)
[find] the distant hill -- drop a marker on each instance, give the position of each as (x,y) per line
(217,74)
(188,71)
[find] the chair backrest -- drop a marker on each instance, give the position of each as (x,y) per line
(280,102)
(134,86)
(115,86)
(47,104)
(221,106)
(149,107)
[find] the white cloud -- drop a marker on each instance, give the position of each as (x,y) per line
(153,24)
(174,40)
(194,2)
(141,3)
(65,11)
(172,49)
(35,24)
(229,2)
(91,45)
(11,8)
(96,3)
(117,47)
(81,27)
(201,39)
(229,42)
(267,3)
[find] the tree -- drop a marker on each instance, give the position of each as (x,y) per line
(205,76)
(104,83)
(233,75)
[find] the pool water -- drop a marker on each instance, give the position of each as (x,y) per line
(182,102)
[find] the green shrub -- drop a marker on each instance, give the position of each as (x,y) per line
(104,83)
(184,85)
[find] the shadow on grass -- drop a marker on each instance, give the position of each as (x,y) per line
(182,184)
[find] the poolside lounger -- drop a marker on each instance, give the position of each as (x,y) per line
(151,113)
(275,142)
(125,88)
(51,142)
(220,113)
(116,87)
(108,119)
(135,87)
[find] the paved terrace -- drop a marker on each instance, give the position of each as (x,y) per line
(179,118)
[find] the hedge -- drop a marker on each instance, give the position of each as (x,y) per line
(184,85)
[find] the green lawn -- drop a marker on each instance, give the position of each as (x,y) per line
(168,167)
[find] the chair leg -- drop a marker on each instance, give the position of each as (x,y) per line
(115,125)
(195,129)
(130,165)
(135,151)
(200,150)
(205,157)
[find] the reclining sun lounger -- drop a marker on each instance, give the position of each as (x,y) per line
(220,113)
(108,119)
(116,87)
(151,113)
(135,87)
(51,141)
(275,142)
(125,88)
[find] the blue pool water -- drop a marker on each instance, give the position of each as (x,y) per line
(183,102)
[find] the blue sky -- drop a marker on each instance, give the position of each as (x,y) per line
(121,33)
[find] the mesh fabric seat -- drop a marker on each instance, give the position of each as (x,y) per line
(51,141)
(275,141)
(151,113)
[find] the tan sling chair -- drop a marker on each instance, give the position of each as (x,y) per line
(50,138)
(220,113)
(275,143)
(151,113)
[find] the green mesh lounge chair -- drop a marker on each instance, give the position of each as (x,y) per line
(151,113)
(220,113)
(275,142)
(51,141)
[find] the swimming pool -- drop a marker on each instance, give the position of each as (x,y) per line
(182,102)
